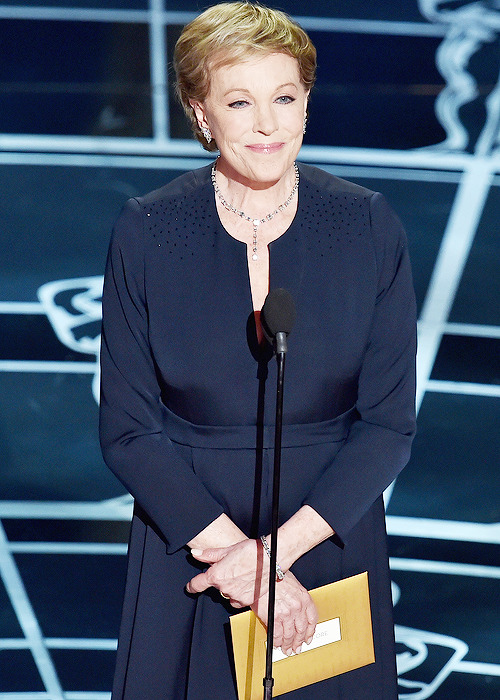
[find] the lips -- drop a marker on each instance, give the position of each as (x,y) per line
(266,148)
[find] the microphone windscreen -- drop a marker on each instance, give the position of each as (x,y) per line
(278,313)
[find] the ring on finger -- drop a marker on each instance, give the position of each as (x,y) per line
(226,597)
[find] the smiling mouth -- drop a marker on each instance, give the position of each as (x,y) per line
(266,147)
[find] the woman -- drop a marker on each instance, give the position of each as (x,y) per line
(187,402)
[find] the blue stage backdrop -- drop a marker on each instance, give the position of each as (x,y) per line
(408,103)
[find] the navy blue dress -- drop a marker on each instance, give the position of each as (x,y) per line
(187,412)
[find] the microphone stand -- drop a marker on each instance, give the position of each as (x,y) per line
(280,348)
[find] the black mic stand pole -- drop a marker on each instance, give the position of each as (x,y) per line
(281,348)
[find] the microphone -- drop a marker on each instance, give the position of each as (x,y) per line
(278,317)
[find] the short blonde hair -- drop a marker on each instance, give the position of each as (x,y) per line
(226,34)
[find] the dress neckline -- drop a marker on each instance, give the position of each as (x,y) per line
(213,205)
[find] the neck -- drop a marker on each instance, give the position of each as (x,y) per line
(255,198)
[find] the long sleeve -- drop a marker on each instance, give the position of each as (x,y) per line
(135,447)
(378,445)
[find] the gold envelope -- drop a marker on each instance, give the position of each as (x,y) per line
(348,600)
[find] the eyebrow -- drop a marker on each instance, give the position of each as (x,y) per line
(247,92)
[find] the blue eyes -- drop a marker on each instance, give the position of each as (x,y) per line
(282,100)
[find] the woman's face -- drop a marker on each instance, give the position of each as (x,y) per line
(255,111)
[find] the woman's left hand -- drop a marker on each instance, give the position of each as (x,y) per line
(237,572)
(240,572)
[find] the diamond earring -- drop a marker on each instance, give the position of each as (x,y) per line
(304,127)
(206,133)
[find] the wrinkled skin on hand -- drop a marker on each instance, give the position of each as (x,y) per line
(241,572)
(295,614)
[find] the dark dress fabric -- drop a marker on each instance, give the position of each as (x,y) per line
(187,413)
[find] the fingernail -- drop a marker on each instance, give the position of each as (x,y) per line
(308,641)
(196,552)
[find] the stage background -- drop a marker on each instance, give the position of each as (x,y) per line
(407,102)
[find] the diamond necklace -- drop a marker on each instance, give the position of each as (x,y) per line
(255,222)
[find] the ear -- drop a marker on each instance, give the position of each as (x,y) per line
(199,112)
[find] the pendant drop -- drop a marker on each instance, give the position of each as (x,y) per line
(256,223)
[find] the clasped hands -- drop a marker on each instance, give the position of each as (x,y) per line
(241,573)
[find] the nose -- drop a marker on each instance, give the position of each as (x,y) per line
(265,121)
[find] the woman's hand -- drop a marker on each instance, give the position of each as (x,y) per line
(240,572)
(295,614)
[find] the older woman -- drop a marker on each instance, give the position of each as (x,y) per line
(187,406)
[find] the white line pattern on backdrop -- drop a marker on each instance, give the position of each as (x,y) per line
(474,173)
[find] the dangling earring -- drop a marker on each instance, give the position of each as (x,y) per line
(206,133)
(304,128)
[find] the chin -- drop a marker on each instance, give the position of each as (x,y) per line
(269,169)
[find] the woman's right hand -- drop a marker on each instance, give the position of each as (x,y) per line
(295,614)
(241,571)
